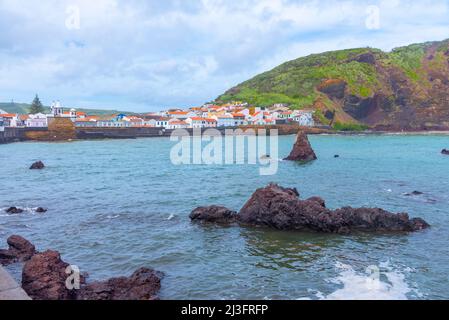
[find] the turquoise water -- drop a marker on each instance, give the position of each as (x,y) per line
(115,206)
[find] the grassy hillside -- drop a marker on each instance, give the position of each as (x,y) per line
(339,81)
(23,108)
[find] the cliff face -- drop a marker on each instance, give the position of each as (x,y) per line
(407,88)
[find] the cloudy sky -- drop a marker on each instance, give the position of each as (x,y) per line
(144,55)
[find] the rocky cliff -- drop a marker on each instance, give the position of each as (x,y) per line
(405,89)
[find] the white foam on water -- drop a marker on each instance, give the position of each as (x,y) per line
(376,284)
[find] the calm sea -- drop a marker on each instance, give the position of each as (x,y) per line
(118,205)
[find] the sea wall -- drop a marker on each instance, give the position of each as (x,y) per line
(59,129)
(11,135)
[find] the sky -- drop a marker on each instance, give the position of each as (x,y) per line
(148,55)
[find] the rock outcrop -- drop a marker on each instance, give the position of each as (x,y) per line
(213,214)
(302,150)
(280,208)
(20,250)
(44,277)
(144,284)
(39,165)
(14,210)
(445,152)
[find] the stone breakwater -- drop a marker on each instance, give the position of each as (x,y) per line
(281,208)
(44,277)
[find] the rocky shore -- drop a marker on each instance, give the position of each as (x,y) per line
(281,208)
(45,276)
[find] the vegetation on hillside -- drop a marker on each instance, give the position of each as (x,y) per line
(365,71)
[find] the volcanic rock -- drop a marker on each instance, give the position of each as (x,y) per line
(280,208)
(37,166)
(144,284)
(445,152)
(44,277)
(14,210)
(302,150)
(20,249)
(213,214)
(41,210)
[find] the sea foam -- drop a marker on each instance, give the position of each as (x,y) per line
(375,284)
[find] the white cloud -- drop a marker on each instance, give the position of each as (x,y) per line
(153,54)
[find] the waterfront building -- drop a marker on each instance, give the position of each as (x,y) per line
(198,122)
(38,120)
(225,121)
(11,120)
(177,124)
(305,118)
(162,122)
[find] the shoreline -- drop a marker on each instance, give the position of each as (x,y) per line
(282,131)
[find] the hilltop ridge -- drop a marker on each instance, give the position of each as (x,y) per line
(404,89)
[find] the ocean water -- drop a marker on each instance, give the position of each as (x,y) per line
(117,205)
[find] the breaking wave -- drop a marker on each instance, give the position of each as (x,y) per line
(382,283)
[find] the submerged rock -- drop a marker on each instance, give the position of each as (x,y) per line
(414,193)
(213,214)
(39,165)
(14,210)
(280,208)
(445,152)
(302,150)
(144,284)
(41,210)
(20,250)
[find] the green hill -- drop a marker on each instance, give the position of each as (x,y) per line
(407,88)
(23,108)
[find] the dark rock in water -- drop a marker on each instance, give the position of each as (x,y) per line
(39,165)
(44,277)
(14,210)
(213,214)
(41,210)
(336,156)
(280,208)
(302,150)
(144,284)
(19,250)
(445,152)
(414,193)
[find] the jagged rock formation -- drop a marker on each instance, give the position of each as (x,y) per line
(144,284)
(280,208)
(44,277)
(302,150)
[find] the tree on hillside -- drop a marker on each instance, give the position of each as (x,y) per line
(36,106)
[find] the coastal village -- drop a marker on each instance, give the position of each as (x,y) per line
(234,114)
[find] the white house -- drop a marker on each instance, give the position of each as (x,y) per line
(11,120)
(305,118)
(38,120)
(225,121)
(177,124)
(162,122)
(198,122)
(2,124)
